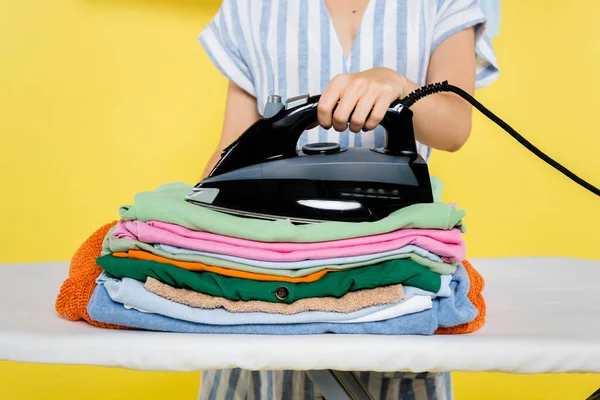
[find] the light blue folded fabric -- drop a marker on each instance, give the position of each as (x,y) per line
(302,264)
(445,312)
(132,294)
(444,291)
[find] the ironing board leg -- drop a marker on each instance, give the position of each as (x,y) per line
(339,385)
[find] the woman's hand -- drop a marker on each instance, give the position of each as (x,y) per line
(363,98)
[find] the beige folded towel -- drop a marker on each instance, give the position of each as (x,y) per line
(350,302)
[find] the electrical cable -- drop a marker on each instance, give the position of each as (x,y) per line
(444,86)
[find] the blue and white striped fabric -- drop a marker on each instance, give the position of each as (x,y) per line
(290,47)
(238,384)
(491,10)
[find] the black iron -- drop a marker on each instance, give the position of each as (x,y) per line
(263,175)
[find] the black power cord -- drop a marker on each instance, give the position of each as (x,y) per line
(418,94)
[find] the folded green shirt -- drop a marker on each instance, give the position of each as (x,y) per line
(406,272)
(168,204)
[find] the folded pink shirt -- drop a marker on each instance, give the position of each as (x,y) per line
(445,243)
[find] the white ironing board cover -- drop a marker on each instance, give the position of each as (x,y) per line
(543,317)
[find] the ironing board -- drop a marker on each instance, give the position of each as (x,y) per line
(543,317)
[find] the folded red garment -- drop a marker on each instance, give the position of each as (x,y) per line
(76,292)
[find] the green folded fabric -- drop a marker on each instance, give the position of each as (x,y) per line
(167,204)
(335,284)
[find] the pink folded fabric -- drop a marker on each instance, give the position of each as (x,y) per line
(444,243)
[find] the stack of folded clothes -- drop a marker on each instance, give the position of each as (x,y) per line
(169,265)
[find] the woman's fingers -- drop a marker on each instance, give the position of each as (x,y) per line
(329,99)
(350,97)
(386,97)
(356,100)
(362,110)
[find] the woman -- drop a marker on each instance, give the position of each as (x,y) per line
(362,54)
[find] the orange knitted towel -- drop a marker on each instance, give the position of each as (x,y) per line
(76,292)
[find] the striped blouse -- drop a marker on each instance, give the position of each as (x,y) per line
(290,47)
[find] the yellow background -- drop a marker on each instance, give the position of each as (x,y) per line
(100,99)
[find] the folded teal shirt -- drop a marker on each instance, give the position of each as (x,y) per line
(336,284)
(167,204)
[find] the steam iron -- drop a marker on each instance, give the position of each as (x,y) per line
(262,175)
